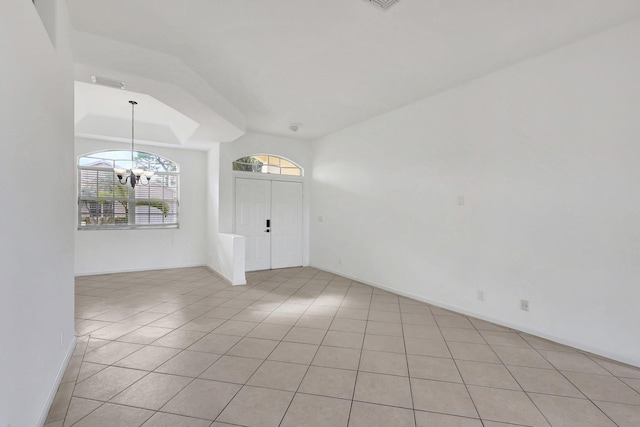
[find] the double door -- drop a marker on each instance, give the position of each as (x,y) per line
(269,215)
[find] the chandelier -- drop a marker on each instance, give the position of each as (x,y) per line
(134,174)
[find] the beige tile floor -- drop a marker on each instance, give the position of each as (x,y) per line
(301,347)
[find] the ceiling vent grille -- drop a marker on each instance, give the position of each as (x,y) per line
(384,4)
(104,81)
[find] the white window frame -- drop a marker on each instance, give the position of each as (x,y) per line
(131,201)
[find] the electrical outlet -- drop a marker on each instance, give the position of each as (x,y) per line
(524,305)
(480,295)
(339,260)
(460,200)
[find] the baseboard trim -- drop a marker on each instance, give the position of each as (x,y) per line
(58,381)
(134,270)
(557,339)
(226,279)
(208,267)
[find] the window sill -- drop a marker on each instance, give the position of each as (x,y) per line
(129,227)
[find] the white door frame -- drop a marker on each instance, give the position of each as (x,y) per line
(305,203)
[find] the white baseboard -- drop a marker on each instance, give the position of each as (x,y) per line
(550,337)
(208,267)
(226,279)
(58,381)
(134,270)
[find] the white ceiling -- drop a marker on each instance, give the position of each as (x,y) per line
(99,111)
(257,65)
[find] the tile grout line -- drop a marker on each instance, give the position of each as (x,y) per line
(406,358)
(475,407)
(355,384)
(74,388)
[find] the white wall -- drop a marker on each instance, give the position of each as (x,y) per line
(216,258)
(36,244)
(545,154)
(108,251)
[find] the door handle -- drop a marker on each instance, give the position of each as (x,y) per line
(268,223)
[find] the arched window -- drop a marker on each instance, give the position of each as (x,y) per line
(264,163)
(105,203)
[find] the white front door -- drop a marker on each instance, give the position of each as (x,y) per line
(286,224)
(269,215)
(253,208)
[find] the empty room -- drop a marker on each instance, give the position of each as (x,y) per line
(342,213)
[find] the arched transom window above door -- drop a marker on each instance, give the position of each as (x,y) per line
(265,163)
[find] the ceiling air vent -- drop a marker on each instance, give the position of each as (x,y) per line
(384,4)
(104,81)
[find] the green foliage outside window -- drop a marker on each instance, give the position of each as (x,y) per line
(248,164)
